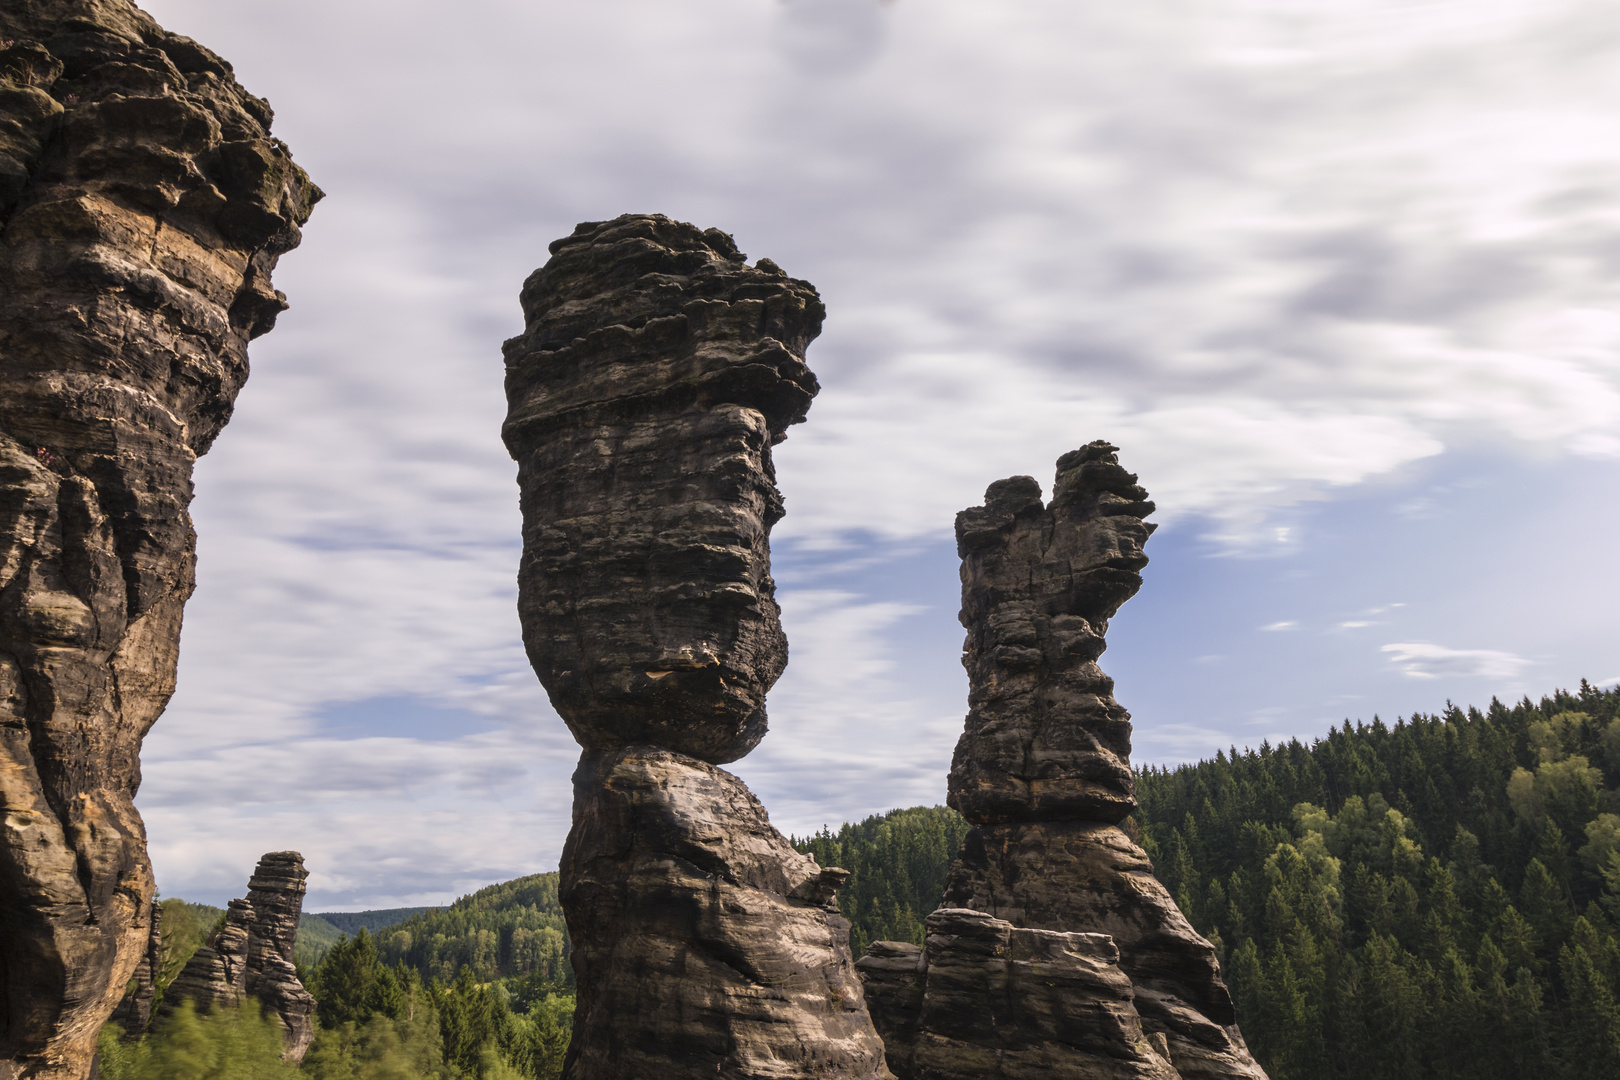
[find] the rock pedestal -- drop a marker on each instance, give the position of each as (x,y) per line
(1043,773)
(252,955)
(986,999)
(143,206)
(699,929)
(656,371)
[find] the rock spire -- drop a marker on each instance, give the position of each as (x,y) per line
(252,955)
(143,206)
(656,371)
(1043,773)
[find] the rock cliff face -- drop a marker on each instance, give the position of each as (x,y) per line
(134,1011)
(143,205)
(252,955)
(1043,773)
(656,371)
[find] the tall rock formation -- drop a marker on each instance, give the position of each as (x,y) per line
(143,206)
(252,955)
(1043,773)
(656,371)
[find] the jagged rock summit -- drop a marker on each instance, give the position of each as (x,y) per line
(252,955)
(656,371)
(1042,771)
(143,206)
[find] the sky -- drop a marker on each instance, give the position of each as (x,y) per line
(1337,276)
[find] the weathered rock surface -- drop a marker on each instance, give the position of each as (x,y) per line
(134,1012)
(143,205)
(276,892)
(252,956)
(216,974)
(656,371)
(985,999)
(1045,740)
(1090,876)
(1043,773)
(704,944)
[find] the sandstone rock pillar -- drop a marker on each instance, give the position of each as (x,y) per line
(252,955)
(143,206)
(656,371)
(1042,771)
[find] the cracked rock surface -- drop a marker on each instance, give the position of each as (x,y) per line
(656,371)
(1042,771)
(143,206)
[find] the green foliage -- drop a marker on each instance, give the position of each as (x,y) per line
(319,931)
(352,922)
(185,926)
(511,930)
(315,936)
(897,863)
(225,1044)
(383,1022)
(1408,901)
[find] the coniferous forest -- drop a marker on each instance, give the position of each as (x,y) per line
(1435,898)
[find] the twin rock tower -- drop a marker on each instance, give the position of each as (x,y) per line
(143,207)
(656,371)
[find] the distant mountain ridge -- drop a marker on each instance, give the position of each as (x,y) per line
(350,922)
(511,929)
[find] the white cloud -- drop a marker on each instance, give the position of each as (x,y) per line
(844,731)
(1275,251)
(1421,660)
(1286,624)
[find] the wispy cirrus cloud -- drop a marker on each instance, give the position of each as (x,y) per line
(1421,660)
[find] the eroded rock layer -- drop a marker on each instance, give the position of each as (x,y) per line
(134,1011)
(1090,876)
(656,371)
(1045,740)
(986,1000)
(252,955)
(143,205)
(704,944)
(1043,773)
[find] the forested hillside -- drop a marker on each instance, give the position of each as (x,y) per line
(476,991)
(511,930)
(1433,898)
(319,931)
(897,863)
(352,922)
